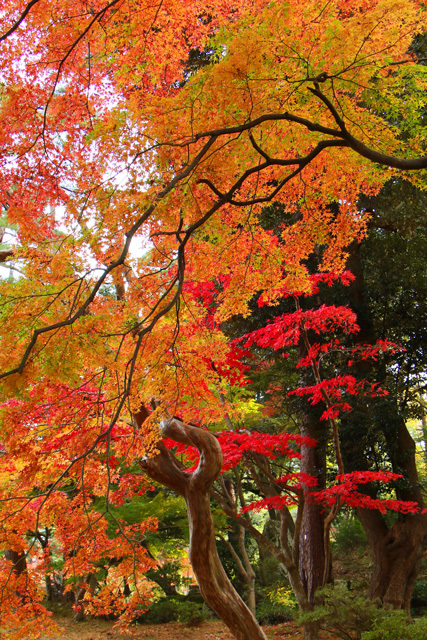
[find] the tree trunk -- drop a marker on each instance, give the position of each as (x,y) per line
(19,568)
(214,584)
(79,597)
(396,551)
(237,536)
(313,545)
(216,589)
(18,561)
(396,555)
(312,537)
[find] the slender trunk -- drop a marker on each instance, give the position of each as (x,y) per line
(249,572)
(315,566)
(195,487)
(216,589)
(286,555)
(50,592)
(244,567)
(238,535)
(43,539)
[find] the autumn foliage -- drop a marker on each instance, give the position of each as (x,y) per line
(138,147)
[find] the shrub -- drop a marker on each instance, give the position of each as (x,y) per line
(351,616)
(176,610)
(419,597)
(345,613)
(394,625)
(277,606)
(192,613)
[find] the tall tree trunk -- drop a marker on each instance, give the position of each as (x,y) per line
(244,566)
(237,538)
(313,545)
(396,550)
(396,555)
(313,571)
(214,584)
(286,555)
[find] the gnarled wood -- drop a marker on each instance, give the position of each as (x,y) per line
(215,586)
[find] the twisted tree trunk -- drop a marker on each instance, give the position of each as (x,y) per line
(214,584)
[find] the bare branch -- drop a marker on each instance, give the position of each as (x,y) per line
(20,19)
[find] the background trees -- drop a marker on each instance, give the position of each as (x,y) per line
(157,171)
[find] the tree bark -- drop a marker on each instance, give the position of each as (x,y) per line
(214,584)
(19,567)
(313,545)
(285,553)
(396,555)
(18,560)
(396,550)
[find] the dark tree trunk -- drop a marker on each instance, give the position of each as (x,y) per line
(313,545)
(18,561)
(79,597)
(214,584)
(396,550)
(19,567)
(396,555)
(163,582)
(313,571)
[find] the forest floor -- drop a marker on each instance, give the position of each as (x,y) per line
(101,630)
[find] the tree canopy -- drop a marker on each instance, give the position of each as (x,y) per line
(139,146)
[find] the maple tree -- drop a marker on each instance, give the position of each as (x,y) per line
(287,330)
(259,450)
(375,429)
(104,120)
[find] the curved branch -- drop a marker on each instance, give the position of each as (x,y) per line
(116,263)
(268,117)
(405,164)
(214,584)
(210,461)
(20,20)
(4,255)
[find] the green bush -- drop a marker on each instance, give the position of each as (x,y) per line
(345,613)
(351,616)
(277,606)
(271,613)
(394,625)
(176,610)
(419,597)
(192,613)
